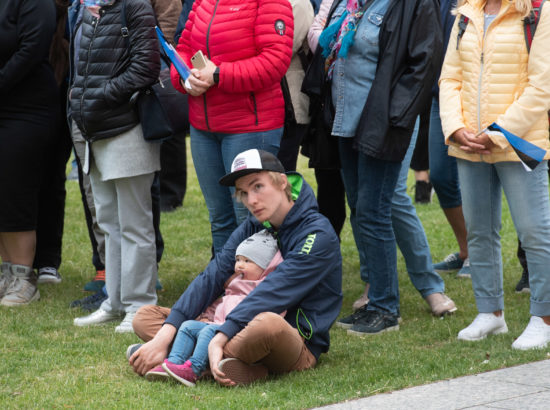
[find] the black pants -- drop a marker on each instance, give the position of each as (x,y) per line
(331,197)
(173,173)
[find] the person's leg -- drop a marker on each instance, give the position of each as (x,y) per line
(148,321)
(155,209)
(444,177)
(523,284)
(138,268)
(331,197)
(290,145)
(234,144)
(199,358)
(268,339)
(410,235)
(173,173)
(209,165)
(186,340)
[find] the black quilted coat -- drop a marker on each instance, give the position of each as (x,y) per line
(110,69)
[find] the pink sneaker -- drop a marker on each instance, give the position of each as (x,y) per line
(181,372)
(157,373)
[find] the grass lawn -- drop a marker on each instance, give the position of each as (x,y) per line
(47,362)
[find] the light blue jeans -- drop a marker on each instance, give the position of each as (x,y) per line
(410,235)
(191,344)
(527,195)
(213,154)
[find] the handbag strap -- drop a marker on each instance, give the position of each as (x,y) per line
(126,33)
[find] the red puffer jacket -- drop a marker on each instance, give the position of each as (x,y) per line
(251,43)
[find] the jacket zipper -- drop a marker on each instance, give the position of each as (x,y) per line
(94,22)
(209,57)
(255,107)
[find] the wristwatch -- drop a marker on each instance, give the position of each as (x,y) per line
(216,75)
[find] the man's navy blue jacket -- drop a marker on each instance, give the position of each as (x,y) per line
(307,284)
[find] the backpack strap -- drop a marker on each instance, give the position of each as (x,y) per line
(462,24)
(531,22)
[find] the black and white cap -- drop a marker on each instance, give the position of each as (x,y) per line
(248,162)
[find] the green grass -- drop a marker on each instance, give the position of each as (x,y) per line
(46,362)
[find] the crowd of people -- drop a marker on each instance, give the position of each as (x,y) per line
(354,84)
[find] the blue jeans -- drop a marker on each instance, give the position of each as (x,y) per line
(527,195)
(443,170)
(191,344)
(370,184)
(213,154)
(410,234)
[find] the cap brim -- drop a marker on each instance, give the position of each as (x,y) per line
(230,179)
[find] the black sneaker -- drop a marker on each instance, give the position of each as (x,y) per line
(349,321)
(374,322)
(132,349)
(90,303)
(48,275)
(423,192)
(523,284)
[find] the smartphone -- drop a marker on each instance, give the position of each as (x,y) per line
(198,60)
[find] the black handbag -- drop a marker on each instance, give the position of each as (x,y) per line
(162,110)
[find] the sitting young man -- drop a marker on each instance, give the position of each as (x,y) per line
(255,339)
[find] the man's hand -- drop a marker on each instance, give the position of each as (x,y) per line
(215,355)
(152,353)
(472,143)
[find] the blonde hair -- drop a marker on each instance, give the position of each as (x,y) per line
(523,7)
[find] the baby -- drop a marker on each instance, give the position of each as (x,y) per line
(189,355)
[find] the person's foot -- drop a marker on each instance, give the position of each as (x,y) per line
(99,317)
(183,373)
(374,322)
(5,282)
(363,299)
(242,373)
(464,272)
(523,284)
(132,349)
(423,192)
(21,289)
(158,285)
(535,336)
(48,274)
(348,321)
(90,303)
(440,304)
(451,263)
(157,374)
(126,324)
(484,324)
(96,283)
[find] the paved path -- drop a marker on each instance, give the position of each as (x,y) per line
(521,387)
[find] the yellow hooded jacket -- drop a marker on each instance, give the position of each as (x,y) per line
(494,79)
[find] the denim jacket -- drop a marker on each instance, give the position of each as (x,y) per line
(353,76)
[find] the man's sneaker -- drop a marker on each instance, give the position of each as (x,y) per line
(535,336)
(451,263)
(22,288)
(484,324)
(90,303)
(48,275)
(99,317)
(362,301)
(423,192)
(240,372)
(5,282)
(156,374)
(96,283)
(132,349)
(523,284)
(126,324)
(183,373)
(464,272)
(348,321)
(440,304)
(374,322)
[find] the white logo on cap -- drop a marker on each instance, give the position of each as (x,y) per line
(247,159)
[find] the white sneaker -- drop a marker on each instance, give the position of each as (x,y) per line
(535,336)
(484,324)
(98,317)
(21,291)
(5,282)
(126,324)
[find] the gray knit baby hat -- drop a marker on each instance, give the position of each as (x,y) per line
(260,248)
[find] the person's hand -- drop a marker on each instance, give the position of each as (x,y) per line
(215,355)
(472,143)
(150,355)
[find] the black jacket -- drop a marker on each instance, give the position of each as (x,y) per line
(410,56)
(109,72)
